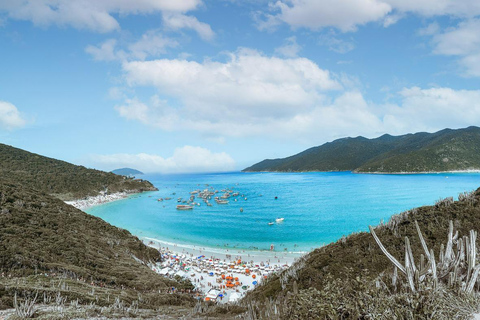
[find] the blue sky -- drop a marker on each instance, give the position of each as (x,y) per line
(190,85)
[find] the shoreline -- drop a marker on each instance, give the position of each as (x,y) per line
(209,269)
(100,199)
(369,172)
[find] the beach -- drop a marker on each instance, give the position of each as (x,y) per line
(97,200)
(220,275)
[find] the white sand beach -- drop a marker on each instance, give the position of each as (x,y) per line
(97,200)
(221,275)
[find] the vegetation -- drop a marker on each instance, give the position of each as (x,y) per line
(354,279)
(446,150)
(50,248)
(62,179)
(127,172)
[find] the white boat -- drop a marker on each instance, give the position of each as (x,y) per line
(270,223)
(221,201)
(184,207)
(278,220)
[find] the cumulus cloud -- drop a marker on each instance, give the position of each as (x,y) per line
(347,15)
(290,48)
(177,21)
(463,42)
(151,44)
(93,15)
(238,86)
(10,117)
(184,160)
(336,44)
(433,109)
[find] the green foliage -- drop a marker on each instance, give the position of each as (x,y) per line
(351,279)
(446,150)
(62,179)
(41,235)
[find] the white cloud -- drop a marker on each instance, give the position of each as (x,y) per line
(249,86)
(151,44)
(433,109)
(177,21)
(10,117)
(290,48)
(184,160)
(430,30)
(347,15)
(93,15)
(336,44)
(463,42)
(105,51)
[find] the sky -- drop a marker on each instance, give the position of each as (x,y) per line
(175,86)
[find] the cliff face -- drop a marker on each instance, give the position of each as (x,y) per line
(446,150)
(62,179)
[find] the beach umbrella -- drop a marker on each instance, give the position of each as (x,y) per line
(236,278)
(254,276)
(211,273)
(220,295)
(254,283)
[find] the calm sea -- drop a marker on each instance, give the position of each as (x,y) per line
(317,208)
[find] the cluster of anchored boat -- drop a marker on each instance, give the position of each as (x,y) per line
(206,195)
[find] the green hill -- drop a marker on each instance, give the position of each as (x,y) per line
(62,179)
(72,260)
(445,150)
(126,172)
(352,278)
(45,242)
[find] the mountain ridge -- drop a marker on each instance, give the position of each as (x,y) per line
(445,150)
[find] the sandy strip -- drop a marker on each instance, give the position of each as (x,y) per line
(97,200)
(198,263)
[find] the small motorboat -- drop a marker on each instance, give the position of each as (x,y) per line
(184,207)
(271,223)
(278,220)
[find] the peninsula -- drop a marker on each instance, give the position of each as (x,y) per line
(445,150)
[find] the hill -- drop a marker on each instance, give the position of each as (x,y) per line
(353,279)
(53,249)
(445,150)
(126,172)
(62,179)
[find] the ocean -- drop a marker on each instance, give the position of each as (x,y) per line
(317,208)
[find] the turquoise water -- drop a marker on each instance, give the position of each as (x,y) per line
(318,207)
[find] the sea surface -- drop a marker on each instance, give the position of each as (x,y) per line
(317,208)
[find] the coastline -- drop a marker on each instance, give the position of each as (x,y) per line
(370,172)
(100,199)
(209,268)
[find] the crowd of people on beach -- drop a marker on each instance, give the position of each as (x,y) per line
(223,277)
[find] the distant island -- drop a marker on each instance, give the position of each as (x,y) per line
(129,172)
(442,151)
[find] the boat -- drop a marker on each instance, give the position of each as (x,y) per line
(184,207)
(270,223)
(279,220)
(221,201)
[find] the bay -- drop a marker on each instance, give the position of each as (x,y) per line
(317,208)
